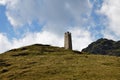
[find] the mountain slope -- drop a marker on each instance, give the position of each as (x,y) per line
(104,46)
(44,62)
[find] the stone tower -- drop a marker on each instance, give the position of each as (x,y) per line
(68,41)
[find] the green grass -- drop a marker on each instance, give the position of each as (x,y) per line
(38,62)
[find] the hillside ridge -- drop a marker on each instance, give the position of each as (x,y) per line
(104,46)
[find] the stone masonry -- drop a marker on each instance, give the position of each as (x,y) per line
(68,41)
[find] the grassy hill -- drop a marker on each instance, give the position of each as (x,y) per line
(44,62)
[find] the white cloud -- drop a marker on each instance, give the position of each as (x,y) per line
(81,38)
(4,43)
(40,37)
(3,2)
(30,38)
(111,9)
(21,12)
(55,12)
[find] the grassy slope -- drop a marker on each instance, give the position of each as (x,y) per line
(51,63)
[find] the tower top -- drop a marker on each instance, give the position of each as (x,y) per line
(67,32)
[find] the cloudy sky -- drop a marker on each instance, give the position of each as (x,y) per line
(26,22)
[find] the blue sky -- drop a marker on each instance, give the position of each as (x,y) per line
(26,22)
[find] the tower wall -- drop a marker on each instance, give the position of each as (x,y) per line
(68,41)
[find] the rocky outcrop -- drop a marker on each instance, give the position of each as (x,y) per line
(104,46)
